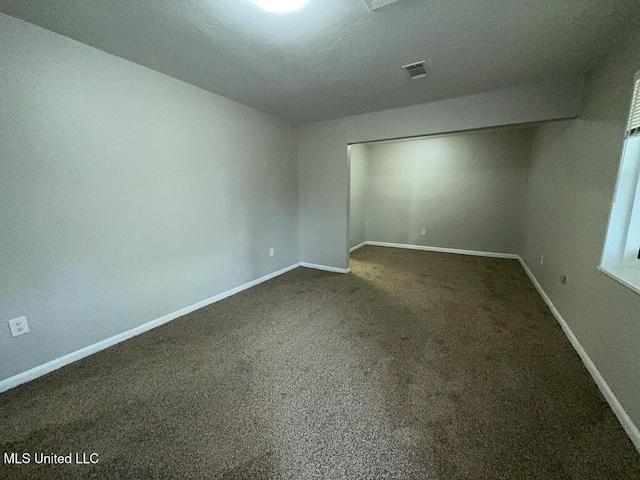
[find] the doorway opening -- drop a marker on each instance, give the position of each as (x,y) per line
(461,192)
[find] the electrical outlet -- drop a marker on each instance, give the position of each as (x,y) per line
(18,326)
(423,231)
(272,252)
(542,260)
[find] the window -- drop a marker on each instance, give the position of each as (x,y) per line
(621,254)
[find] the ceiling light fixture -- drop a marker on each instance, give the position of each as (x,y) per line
(280,6)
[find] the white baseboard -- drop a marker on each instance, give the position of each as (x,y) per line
(49,367)
(443,250)
(630,428)
(325,268)
(624,419)
(60,362)
(618,410)
(353,249)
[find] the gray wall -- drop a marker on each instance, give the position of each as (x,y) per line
(466,191)
(358,194)
(324,167)
(573,174)
(126,194)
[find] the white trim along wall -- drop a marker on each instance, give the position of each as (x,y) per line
(620,413)
(60,362)
(624,419)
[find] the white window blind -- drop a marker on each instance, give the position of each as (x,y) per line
(633,127)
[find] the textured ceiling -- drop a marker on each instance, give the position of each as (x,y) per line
(333,58)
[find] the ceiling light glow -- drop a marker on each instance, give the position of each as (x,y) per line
(280,6)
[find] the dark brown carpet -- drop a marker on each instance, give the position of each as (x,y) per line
(415,365)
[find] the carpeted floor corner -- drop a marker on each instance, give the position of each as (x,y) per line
(417,365)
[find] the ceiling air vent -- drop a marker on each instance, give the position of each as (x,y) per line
(376,4)
(416,70)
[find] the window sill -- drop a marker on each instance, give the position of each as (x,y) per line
(628,276)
